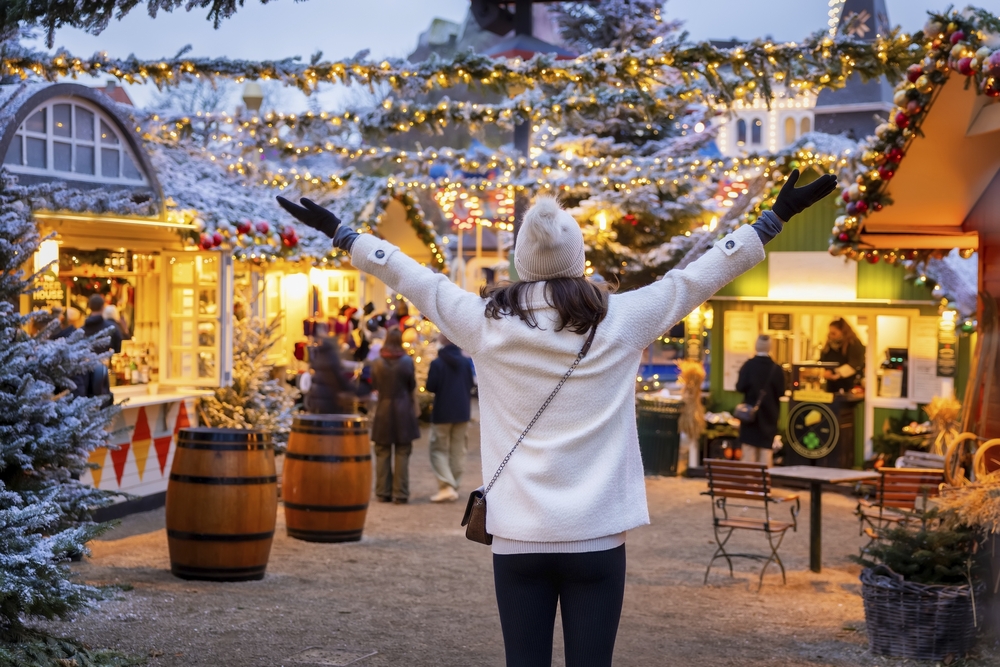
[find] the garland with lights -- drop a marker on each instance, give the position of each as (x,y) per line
(949,43)
(727,74)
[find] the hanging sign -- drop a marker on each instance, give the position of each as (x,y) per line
(49,292)
(947,346)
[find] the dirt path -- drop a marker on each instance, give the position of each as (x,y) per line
(419,594)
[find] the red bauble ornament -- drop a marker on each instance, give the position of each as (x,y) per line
(990,87)
(846,196)
(216,239)
(861,205)
(993,64)
(244,226)
(886,171)
(877,206)
(902,120)
(206,242)
(965,67)
(913,108)
(913,73)
(872,257)
(844,237)
(263,227)
(893,155)
(957,36)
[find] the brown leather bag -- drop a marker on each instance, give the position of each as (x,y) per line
(475,511)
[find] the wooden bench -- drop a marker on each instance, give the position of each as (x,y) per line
(746,485)
(900,497)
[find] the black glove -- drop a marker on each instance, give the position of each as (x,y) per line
(320,219)
(792,200)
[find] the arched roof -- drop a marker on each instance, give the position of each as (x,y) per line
(18,102)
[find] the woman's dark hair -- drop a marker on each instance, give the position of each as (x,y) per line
(393,341)
(581,303)
(841,325)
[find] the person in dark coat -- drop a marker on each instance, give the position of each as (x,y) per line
(761,374)
(394,426)
(450,379)
(329,387)
(95,324)
(843,347)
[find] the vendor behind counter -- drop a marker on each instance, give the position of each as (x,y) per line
(843,348)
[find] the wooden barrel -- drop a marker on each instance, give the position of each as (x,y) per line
(327,478)
(222,503)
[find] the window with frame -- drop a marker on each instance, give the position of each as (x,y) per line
(72,139)
(741,132)
(756,128)
(789,131)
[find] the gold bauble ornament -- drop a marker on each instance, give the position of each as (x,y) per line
(900,98)
(966,253)
(983,53)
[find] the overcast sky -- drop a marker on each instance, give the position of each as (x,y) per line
(341,28)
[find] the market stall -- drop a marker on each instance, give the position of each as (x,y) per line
(171,301)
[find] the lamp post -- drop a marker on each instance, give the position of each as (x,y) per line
(253,96)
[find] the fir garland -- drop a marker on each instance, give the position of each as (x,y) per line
(724,74)
(949,42)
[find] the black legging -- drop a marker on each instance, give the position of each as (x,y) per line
(588,586)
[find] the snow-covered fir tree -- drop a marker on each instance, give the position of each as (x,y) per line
(254,399)
(613,24)
(46,436)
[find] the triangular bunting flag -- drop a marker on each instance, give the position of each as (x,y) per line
(97,457)
(118,457)
(162,449)
(141,441)
(182,418)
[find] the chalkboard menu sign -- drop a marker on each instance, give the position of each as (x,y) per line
(779,322)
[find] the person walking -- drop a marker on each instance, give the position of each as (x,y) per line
(565,496)
(330,392)
(394,427)
(450,379)
(761,379)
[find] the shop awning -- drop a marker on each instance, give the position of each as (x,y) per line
(943,175)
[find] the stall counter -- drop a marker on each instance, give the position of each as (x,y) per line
(143,444)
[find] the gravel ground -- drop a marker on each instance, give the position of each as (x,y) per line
(415,592)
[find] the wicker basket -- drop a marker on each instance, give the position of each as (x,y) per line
(919,621)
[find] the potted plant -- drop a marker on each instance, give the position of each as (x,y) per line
(921,599)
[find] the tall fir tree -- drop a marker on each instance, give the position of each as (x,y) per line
(613,24)
(46,436)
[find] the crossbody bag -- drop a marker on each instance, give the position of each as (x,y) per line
(747,413)
(475,511)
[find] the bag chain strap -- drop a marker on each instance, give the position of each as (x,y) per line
(579,357)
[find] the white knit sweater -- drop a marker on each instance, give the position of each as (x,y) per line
(576,482)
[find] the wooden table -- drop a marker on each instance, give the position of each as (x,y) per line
(817,476)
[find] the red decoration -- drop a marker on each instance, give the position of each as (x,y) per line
(913,108)
(216,239)
(965,67)
(902,120)
(886,171)
(631,219)
(913,73)
(844,237)
(993,64)
(872,257)
(877,206)
(244,226)
(206,242)
(957,36)
(861,206)
(894,155)
(263,227)
(990,87)
(846,196)
(289,237)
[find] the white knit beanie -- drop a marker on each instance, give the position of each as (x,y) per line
(549,244)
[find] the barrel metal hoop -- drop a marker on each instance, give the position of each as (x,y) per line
(225,447)
(325,508)
(337,430)
(227,481)
(325,535)
(324,458)
(219,537)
